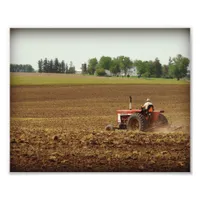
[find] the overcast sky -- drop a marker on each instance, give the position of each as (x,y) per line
(79,45)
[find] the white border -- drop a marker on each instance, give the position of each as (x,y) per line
(161,14)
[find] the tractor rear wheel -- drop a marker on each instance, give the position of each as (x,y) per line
(136,122)
(162,120)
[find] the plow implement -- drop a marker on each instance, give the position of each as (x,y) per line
(151,129)
(169,128)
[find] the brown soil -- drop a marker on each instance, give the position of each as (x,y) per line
(61,128)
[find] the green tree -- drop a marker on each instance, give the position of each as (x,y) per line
(28,68)
(62,66)
(21,68)
(48,66)
(40,66)
(115,67)
(72,70)
(100,71)
(56,66)
(125,64)
(165,71)
(105,62)
(12,68)
(51,66)
(45,65)
(158,68)
(179,67)
(148,68)
(141,67)
(92,64)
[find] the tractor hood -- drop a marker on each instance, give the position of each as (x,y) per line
(136,111)
(129,111)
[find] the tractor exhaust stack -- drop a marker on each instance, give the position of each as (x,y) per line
(130,103)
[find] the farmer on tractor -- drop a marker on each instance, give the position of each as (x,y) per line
(148,106)
(143,119)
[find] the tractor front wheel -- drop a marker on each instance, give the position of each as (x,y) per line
(136,122)
(109,128)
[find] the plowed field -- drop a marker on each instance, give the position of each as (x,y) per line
(61,128)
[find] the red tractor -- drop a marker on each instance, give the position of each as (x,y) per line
(139,119)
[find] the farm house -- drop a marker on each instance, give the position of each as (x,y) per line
(131,72)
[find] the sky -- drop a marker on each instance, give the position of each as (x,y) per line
(27,46)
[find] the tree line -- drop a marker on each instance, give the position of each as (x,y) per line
(55,66)
(177,67)
(21,68)
(114,65)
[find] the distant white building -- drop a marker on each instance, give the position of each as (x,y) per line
(78,72)
(131,72)
(108,73)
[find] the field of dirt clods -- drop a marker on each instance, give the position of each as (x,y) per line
(61,129)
